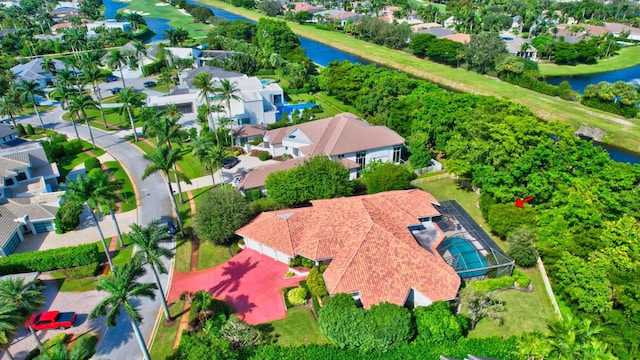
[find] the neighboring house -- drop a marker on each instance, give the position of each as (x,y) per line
(461,38)
(449,23)
(303,6)
(436,31)
(516,46)
(28,194)
(108,24)
(246,133)
(7,133)
(199,56)
(342,137)
(423,26)
(340,16)
(256,104)
(32,71)
(59,27)
(368,243)
(617,28)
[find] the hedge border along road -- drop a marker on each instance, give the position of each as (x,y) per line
(620,132)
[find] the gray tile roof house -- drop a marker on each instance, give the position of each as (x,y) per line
(32,71)
(7,133)
(215,72)
(28,203)
(437,32)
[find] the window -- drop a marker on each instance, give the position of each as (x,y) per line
(21,176)
(397,153)
(361,158)
(340,157)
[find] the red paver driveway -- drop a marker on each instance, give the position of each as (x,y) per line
(249,282)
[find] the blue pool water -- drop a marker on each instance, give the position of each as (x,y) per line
(466,257)
(290,108)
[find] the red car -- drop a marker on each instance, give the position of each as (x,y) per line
(52,320)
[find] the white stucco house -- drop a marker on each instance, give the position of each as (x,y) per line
(29,196)
(108,24)
(256,104)
(343,137)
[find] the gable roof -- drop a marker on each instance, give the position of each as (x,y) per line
(341,134)
(367,237)
(33,69)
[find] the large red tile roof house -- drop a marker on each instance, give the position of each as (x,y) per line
(372,252)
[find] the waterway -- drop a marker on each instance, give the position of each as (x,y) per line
(579,82)
(323,54)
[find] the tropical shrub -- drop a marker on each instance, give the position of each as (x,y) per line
(521,279)
(20,129)
(68,217)
(490,285)
(47,260)
(73,147)
(30,129)
(437,323)
(316,283)
(264,155)
(522,248)
(91,163)
(297,296)
(379,177)
(220,213)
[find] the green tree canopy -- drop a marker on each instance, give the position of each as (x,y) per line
(219,214)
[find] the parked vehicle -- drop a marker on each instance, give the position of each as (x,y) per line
(116,90)
(230,162)
(149,84)
(171,227)
(52,320)
(111,79)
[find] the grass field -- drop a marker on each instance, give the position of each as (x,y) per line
(211,255)
(165,335)
(127,192)
(628,57)
(299,328)
(524,311)
(624,133)
(68,163)
(182,259)
(175,17)
(330,105)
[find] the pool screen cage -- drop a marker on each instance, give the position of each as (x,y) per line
(468,248)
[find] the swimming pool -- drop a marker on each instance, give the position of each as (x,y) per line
(463,257)
(290,108)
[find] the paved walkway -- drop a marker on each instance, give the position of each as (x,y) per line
(249,282)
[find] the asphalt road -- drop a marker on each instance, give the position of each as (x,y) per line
(154,203)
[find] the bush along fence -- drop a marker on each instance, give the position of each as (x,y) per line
(518,280)
(48,260)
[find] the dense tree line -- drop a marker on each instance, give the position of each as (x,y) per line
(584,206)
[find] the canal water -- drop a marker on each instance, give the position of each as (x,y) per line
(322,54)
(579,82)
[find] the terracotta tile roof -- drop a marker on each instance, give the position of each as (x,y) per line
(367,237)
(341,134)
(247,131)
(617,27)
(461,38)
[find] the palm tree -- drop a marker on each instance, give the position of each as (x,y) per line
(116,60)
(91,74)
(139,51)
(109,195)
(48,65)
(148,241)
(228,91)
(29,90)
(26,297)
(9,320)
(201,147)
(88,191)
(204,82)
(574,338)
(129,98)
(162,160)
(9,108)
(64,93)
(79,104)
(121,286)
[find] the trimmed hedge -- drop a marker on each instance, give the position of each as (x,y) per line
(297,296)
(91,163)
(47,260)
(493,284)
(264,155)
(154,68)
(523,280)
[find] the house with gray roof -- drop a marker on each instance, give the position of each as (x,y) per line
(32,71)
(7,133)
(437,32)
(256,103)
(29,196)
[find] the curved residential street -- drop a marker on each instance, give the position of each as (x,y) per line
(119,342)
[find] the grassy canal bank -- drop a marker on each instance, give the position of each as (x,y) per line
(620,132)
(627,57)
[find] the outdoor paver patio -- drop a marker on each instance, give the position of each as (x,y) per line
(249,282)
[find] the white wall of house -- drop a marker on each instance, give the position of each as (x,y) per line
(417,298)
(384,154)
(266,250)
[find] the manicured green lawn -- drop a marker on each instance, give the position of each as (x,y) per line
(175,17)
(624,133)
(114,119)
(29,110)
(182,259)
(189,164)
(127,192)
(73,285)
(68,163)
(330,105)
(449,189)
(144,147)
(299,328)
(185,209)
(211,255)
(524,311)
(166,335)
(628,57)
